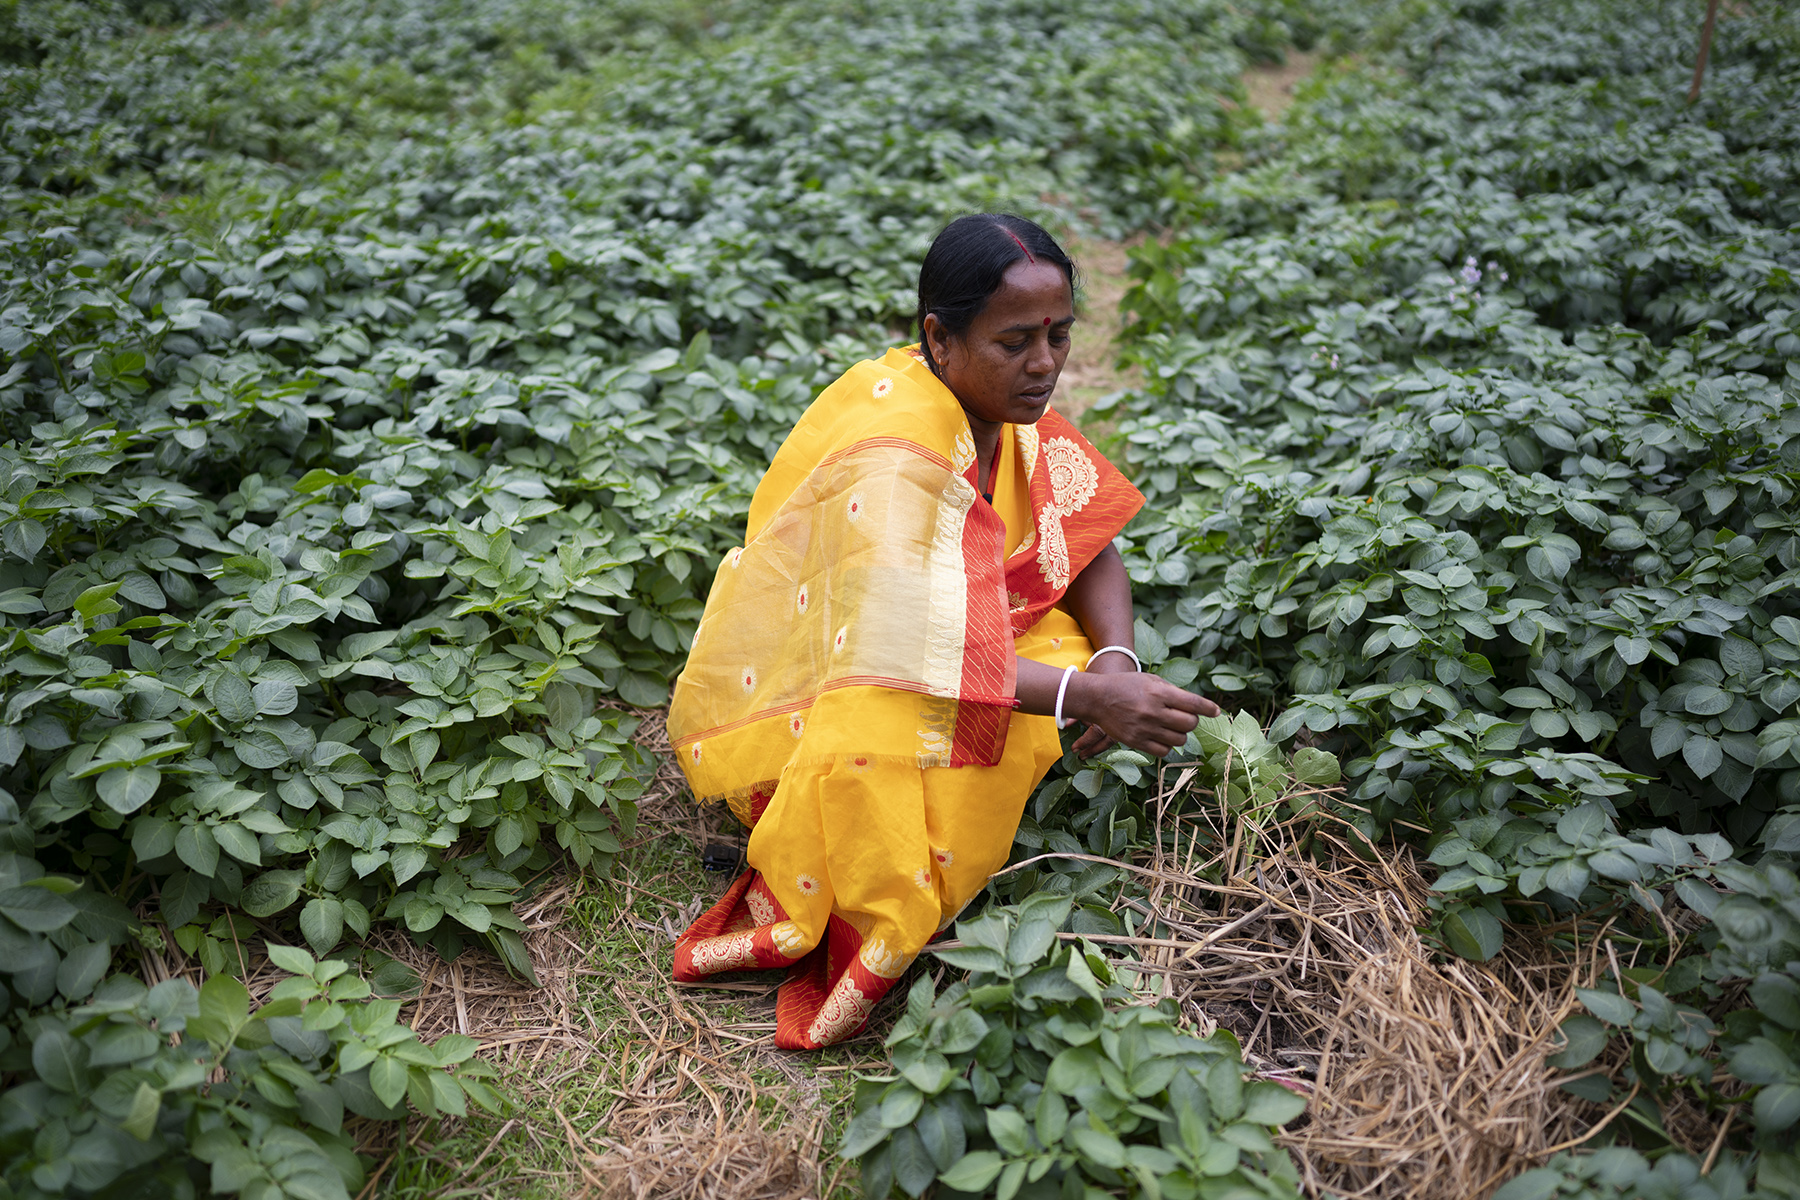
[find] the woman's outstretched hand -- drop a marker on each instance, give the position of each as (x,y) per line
(1117,703)
(1132,708)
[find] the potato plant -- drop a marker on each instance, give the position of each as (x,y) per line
(1036,1076)
(1472,437)
(379,387)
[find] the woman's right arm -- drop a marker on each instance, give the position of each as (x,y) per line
(1136,709)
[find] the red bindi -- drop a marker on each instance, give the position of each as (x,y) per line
(1046,320)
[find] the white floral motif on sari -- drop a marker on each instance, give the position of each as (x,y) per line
(788,939)
(760,906)
(725,953)
(1026,544)
(1073,481)
(882,960)
(1028,448)
(962,457)
(844,1009)
(936,716)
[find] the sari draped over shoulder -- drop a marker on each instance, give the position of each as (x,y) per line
(850,688)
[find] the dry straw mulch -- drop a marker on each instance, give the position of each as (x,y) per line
(1426,1074)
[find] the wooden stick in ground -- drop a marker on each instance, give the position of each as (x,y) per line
(1712,1155)
(1706,36)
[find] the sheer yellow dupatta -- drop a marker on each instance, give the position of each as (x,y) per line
(866,614)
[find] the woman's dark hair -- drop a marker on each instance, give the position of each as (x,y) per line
(964,266)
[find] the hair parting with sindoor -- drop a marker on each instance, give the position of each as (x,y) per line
(966,263)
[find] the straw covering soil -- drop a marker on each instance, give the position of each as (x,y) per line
(1426,1075)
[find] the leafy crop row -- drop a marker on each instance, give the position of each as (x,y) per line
(380,384)
(1472,437)
(1036,1072)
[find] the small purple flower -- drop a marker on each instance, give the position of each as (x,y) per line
(1471,274)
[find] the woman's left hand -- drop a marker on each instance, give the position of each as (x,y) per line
(1095,740)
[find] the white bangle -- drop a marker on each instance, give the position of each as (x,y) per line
(1125,650)
(1061,689)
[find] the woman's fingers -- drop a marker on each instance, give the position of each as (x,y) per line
(1094,741)
(1145,713)
(1182,699)
(1188,702)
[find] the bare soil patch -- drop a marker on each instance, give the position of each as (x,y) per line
(1271,85)
(1093,370)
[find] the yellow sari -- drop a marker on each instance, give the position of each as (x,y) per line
(850,688)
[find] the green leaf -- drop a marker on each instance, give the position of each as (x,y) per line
(1082,975)
(1316,768)
(322,923)
(1703,754)
(900,1106)
(445,1094)
(238,842)
(1008,1129)
(152,837)
(1541,1183)
(321,1107)
(196,846)
(127,789)
(1225,1088)
(971,958)
(1777,1107)
(290,959)
(1707,701)
(1097,1146)
(863,1134)
(82,968)
(1268,1103)
(1040,916)
(940,1131)
(146,1106)
(1472,932)
(1777,997)
(387,1079)
(562,706)
(36,909)
(962,1032)
(1051,1119)
(60,1061)
(225,1000)
(233,698)
(974,1171)
(913,1168)
(97,601)
(1610,1007)
(272,892)
(1583,1039)
(1074,1071)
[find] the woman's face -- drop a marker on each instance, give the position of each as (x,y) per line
(1005,368)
